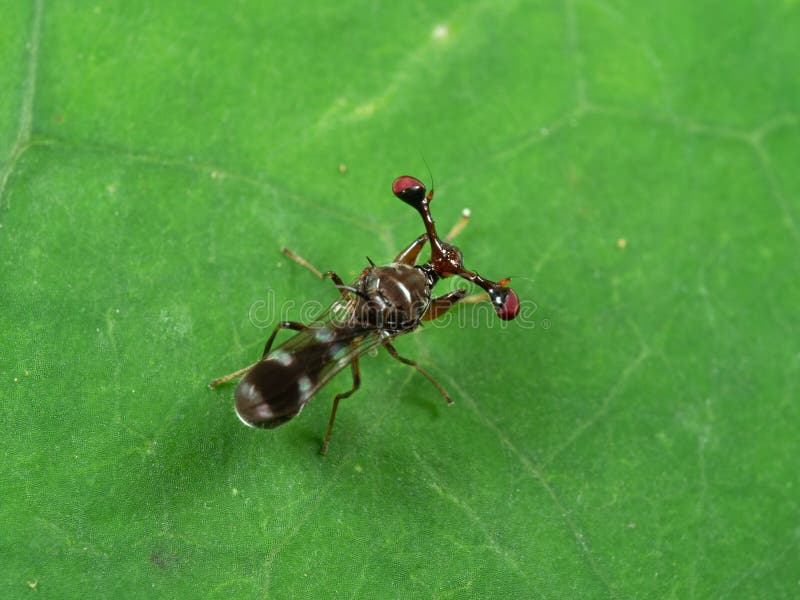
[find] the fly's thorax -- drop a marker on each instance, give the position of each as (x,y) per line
(393,297)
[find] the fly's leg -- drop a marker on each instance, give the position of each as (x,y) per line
(341,395)
(475,298)
(229,376)
(408,256)
(441,304)
(282,325)
(459,226)
(293,325)
(411,363)
(337,281)
(302,262)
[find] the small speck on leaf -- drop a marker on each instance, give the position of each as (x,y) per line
(163,561)
(440,32)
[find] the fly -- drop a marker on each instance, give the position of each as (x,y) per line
(382,304)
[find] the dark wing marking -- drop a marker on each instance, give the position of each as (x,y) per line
(279,386)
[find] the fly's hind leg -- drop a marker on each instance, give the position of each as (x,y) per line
(340,396)
(282,325)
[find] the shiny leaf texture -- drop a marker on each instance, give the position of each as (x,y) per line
(631,165)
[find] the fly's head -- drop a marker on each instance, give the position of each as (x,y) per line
(446,259)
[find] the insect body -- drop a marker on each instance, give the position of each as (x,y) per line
(383,303)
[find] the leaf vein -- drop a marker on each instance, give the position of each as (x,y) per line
(22,142)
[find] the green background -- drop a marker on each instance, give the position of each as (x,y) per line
(633,165)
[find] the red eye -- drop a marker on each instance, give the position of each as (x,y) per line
(409,189)
(505,302)
(511,306)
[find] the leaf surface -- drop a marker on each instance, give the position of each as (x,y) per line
(633,167)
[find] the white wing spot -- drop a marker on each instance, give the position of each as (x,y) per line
(283,358)
(304,384)
(334,349)
(248,390)
(324,336)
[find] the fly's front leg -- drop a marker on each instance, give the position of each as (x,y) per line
(282,325)
(411,363)
(340,396)
(337,281)
(475,298)
(442,304)
(459,226)
(408,256)
(302,262)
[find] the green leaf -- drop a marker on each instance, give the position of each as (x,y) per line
(632,165)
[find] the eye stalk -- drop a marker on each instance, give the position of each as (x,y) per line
(446,259)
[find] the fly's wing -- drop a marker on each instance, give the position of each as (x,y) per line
(278,387)
(339,353)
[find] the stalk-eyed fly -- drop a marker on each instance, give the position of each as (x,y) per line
(382,304)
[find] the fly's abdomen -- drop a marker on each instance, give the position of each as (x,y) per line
(277,388)
(272,392)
